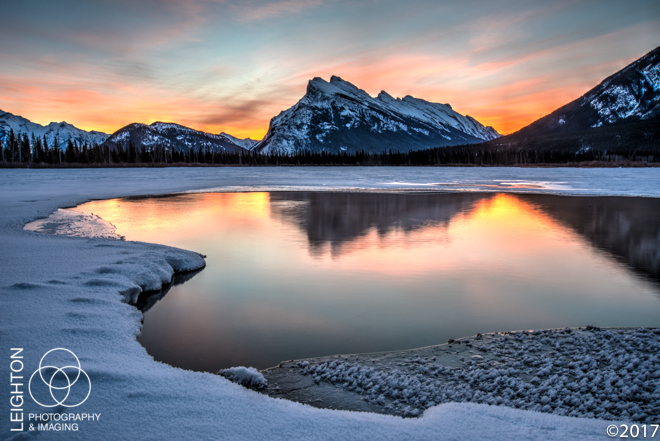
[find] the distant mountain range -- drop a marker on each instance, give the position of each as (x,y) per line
(62,131)
(336,116)
(333,117)
(174,136)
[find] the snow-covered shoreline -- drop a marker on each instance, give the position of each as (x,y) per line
(58,291)
(74,223)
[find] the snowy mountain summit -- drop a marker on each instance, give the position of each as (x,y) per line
(61,131)
(336,116)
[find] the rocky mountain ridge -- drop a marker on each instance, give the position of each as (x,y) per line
(629,95)
(172,136)
(337,116)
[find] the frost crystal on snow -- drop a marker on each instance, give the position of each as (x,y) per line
(604,374)
(248,377)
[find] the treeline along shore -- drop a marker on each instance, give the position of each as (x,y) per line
(633,145)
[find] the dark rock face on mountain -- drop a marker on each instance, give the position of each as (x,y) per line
(336,116)
(171,136)
(62,131)
(632,94)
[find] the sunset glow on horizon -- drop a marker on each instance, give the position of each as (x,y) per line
(225,66)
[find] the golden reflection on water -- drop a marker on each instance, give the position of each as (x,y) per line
(158,218)
(295,275)
(522,230)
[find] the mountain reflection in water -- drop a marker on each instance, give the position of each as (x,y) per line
(297,275)
(339,219)
(628,229)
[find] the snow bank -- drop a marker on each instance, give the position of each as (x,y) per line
(71,292)
(248,377)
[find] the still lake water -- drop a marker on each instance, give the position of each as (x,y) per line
(297,275)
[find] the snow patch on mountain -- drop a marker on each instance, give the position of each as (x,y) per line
(631,93)
(61,131)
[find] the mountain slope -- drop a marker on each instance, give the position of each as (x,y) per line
(631,94)
(336,116)
(62,130)
(171,136)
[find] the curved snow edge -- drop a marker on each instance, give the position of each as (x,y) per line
(73,223)
(147,273)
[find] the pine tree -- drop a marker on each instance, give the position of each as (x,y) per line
(132,154)
(13,145)
(25,148)
(38,149)
(47,153)
(83,157)
(33,142)
(70,152)
(57,151)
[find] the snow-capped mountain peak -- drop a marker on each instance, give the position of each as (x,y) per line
(62,131)
(336,87)
(385,97)
(171,136)
(337,116)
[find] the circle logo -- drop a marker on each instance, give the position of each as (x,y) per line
(61,379)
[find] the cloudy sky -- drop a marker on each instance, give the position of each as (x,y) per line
(222,65)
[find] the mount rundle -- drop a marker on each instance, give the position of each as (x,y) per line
(336,116)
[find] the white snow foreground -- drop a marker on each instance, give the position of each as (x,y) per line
(66,292)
